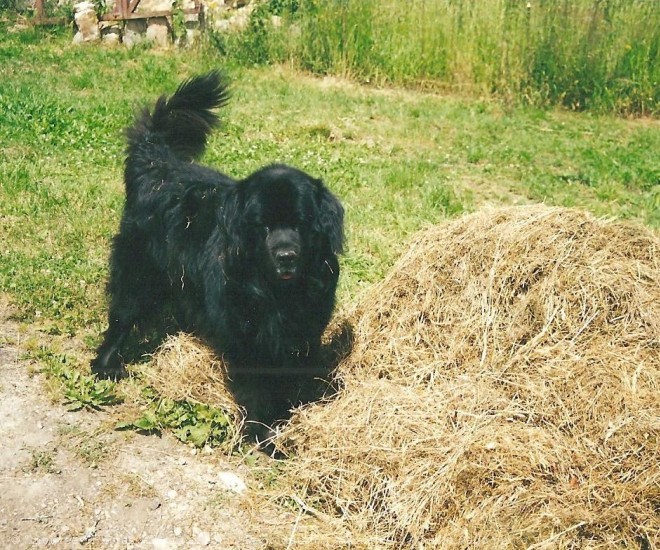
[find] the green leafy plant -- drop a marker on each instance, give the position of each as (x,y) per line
(194,423)
(254,45)
(178,21)
(79,391)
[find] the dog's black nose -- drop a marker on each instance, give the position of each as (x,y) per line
(286,257)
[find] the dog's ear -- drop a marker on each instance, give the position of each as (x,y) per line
(199,205)
(329,219)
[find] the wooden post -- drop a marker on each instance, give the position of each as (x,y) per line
(39,6)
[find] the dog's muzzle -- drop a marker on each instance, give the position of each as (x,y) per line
(286,264)
(284,248)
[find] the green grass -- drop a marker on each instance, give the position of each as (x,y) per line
(398,159)
(42,461)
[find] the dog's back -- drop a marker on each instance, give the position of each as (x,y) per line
(176,130)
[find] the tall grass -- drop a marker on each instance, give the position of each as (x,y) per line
(583,54)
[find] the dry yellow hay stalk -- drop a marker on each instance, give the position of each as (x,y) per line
(184,369)
(503,391)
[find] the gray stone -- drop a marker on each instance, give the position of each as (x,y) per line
(148,6)
(110,33)
(159,32)
(134,32)
(87,23)
(237,22)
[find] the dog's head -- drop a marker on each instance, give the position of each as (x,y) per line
(286,221)
(279,223)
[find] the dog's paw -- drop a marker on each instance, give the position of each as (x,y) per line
(109,370)
(109,374)
(263,437)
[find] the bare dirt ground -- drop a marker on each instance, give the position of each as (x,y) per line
(68,480)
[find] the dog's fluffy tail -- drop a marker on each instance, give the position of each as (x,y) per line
(183,121)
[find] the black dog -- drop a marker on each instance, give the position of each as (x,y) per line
(250,266)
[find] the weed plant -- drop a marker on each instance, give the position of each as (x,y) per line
(193,423)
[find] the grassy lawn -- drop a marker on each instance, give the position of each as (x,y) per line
(398,159)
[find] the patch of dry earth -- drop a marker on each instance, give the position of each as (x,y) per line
(68,481)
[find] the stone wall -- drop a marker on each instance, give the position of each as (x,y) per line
(223,14)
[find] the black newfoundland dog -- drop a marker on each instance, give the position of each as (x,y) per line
(250,266)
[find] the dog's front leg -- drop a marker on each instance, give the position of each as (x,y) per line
(108,362)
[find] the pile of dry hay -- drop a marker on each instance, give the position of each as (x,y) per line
(503,391)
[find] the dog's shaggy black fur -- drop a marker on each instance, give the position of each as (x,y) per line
(250,266)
